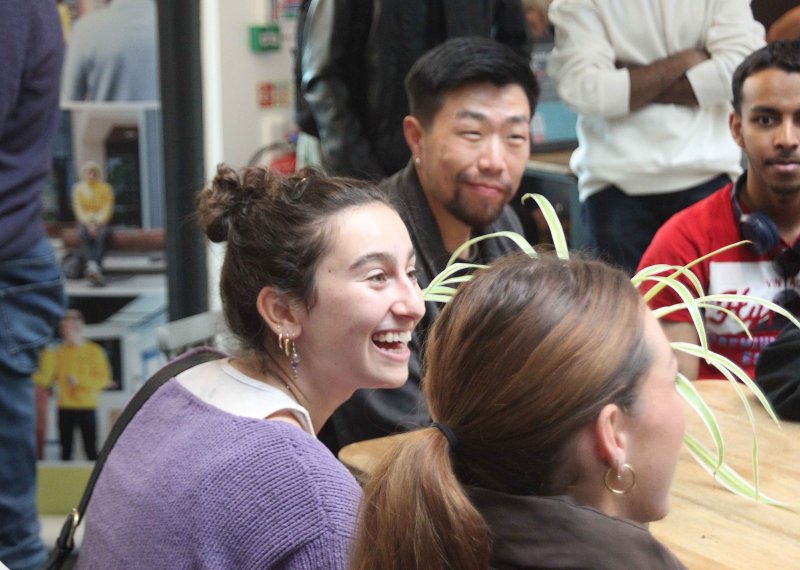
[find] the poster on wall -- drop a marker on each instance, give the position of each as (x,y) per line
(103,210)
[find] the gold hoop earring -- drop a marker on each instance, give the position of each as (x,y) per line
(619,478)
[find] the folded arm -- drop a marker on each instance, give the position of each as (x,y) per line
(592,79)
(732,36)
(664,81)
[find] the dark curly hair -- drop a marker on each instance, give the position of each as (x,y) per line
(277,229)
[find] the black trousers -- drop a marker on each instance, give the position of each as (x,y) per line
(86,420)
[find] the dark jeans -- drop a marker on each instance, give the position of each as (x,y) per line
(86,421)
(94,248)
(31,303)
(621,226)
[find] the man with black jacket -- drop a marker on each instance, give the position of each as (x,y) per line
(351,61)
(468,132)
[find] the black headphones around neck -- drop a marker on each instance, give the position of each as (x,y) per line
(755,226)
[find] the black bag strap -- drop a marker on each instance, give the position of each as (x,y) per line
(65,542)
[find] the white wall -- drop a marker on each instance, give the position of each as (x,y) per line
(235,126)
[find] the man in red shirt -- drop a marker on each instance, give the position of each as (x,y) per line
(762,206)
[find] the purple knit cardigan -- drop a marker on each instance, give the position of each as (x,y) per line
(190,486)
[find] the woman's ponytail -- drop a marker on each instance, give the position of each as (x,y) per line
(416,515)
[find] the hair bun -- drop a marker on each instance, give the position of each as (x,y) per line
(217,231)
(218,203)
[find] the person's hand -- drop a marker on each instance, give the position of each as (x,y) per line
(71,380)
(92,230)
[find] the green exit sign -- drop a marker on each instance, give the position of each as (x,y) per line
(265,38)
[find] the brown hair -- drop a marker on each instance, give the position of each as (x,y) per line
(277,228)
(524,357)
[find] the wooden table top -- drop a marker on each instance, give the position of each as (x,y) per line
(708,526)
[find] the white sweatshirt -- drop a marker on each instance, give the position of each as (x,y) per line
(659,148)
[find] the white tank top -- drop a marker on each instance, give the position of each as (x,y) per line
(221,385)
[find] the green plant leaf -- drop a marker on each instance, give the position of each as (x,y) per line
(519,240)
(723,297)
(726,475)
(732,373)
(437,298)
(692,397)
(688,303)
(730,313)
(647,273)
(685,270)
(551,217)
(450,272)
(441,290)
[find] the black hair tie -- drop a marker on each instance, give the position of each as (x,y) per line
(448,435)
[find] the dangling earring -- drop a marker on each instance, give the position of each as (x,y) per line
(626,472)
(289,348)
(294,358)
(283,343)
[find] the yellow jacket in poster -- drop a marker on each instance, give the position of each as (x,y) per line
(78,371)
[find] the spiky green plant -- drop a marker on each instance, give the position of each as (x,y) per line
(694,300)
